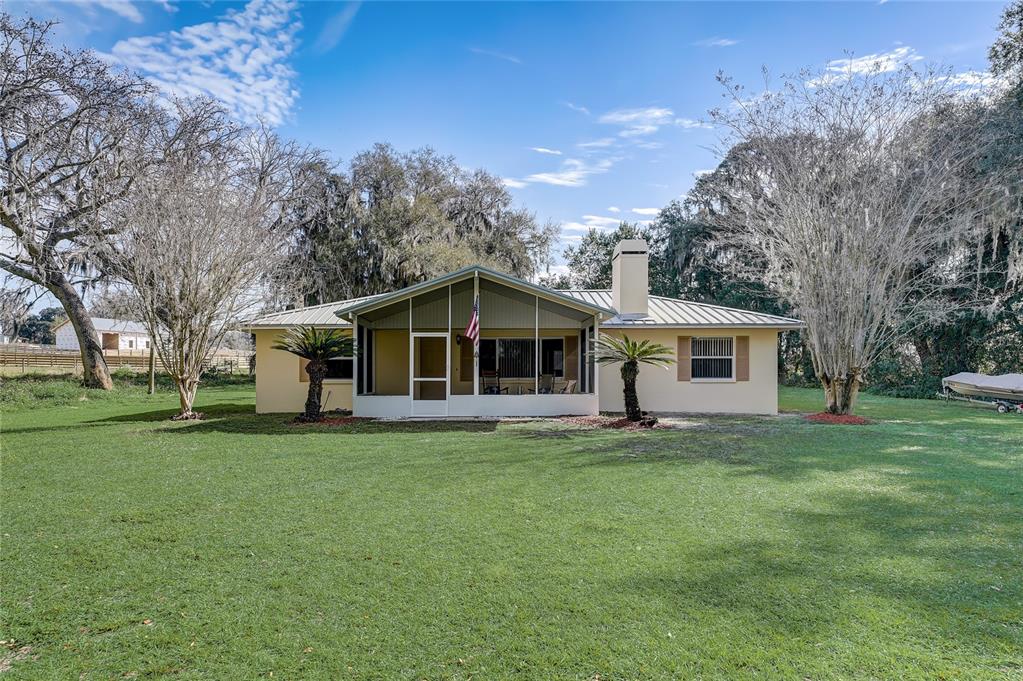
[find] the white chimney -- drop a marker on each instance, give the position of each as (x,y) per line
(630,278)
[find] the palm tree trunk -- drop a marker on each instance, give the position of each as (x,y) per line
(630,370)
(316,370)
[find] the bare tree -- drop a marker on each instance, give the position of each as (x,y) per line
(74,137)
(200,236)
(858,192)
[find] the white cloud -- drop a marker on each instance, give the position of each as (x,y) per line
(576,107)
(496,55)
(573,173)
(691,124)
(701,173)
(883,62)
(597,143)
(975,80)
(716,42)
(614,209)
(513,183)
(335,28)
(242,59)
(588,222)
(646,211)
(123,8)
(638,122)
(545,150)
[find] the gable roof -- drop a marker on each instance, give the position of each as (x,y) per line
(356,307)
(107,325)
(664,312)
(673,312)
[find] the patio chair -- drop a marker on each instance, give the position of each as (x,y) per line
(546,386)
(569,387)
(492,383)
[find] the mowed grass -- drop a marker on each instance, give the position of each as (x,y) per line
(245,547)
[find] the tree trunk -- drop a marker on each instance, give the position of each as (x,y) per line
(187,388)
(152,369)
(94,365)
(316,371)
(840,392)
(630,370)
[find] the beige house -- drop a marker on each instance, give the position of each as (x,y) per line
(534,351)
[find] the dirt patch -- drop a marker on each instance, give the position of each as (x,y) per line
(14,653)
(839,419)
(610,422)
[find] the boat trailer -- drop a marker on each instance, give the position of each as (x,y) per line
(1002,406)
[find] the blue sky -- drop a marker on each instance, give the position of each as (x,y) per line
(591,112)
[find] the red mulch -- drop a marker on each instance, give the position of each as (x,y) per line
(607,422)
(840,419)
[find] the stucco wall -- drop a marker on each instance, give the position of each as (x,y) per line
(661,391)
(278,388)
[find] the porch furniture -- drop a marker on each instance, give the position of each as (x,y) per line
(546,385)
(569,387)
(492,383)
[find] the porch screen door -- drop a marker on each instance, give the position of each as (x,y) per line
(429,358)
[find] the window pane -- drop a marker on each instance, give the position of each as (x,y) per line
(712,347)
(712,368)
(516,358)
(552,358)
(488,354)
(339,368)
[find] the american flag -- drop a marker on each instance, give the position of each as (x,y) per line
(473,329)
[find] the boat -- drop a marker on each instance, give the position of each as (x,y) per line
(1004,388)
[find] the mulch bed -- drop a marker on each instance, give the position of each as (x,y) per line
(610,422)
(332,421)
(840,419)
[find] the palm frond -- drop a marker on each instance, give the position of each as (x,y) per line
(314,344)
(614,350)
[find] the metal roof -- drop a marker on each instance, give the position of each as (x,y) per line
(664,312)
(315,315)
(107,325)
(672,312)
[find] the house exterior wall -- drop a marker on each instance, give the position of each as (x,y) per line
(279,388)
(661,391)
(278,385)
(65,338)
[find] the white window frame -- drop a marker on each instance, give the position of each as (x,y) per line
(693,356)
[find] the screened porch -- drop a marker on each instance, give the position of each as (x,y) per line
(531,359)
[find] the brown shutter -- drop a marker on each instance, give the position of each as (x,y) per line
(303,377)
(684,356)
(742,358)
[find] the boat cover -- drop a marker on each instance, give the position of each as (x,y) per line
(1005,382)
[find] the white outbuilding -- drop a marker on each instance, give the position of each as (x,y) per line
(112,334)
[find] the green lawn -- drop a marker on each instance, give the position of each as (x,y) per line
(242,546)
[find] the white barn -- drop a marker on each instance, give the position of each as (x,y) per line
(112,334)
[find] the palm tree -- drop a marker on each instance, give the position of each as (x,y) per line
(611,350)
(318,346)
